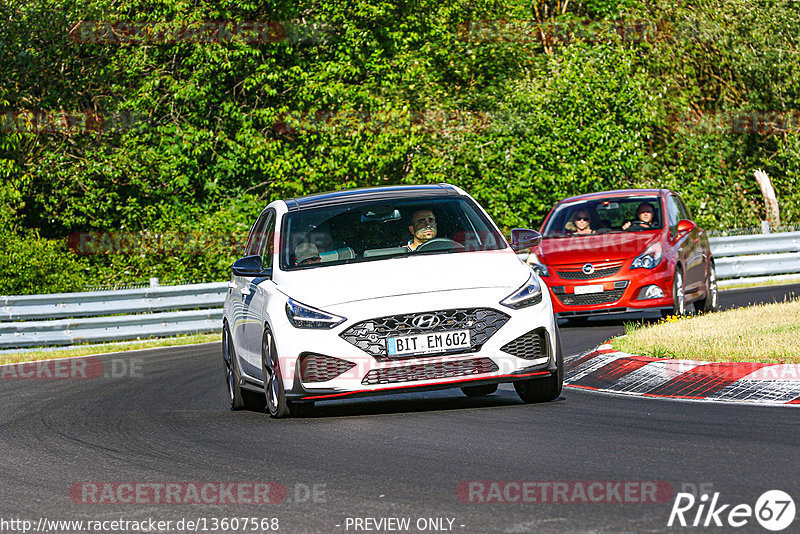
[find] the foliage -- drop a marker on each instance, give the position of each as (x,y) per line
(191,137)
(29,263)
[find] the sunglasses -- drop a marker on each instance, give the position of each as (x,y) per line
(582,218)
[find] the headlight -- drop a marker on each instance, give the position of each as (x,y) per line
(302,316)
(536,265)
(649,258)
(528,295)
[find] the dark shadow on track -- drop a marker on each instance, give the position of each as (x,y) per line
(444,401)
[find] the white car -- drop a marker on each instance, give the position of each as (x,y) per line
(385,290)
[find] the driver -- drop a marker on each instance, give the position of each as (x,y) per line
(644,215)
(423,228)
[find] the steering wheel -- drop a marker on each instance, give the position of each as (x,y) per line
(441,243)
(639,224)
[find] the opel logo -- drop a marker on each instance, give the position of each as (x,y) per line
(588,268)
(426,320)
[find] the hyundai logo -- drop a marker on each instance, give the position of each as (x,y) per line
(588,268)
(426,320)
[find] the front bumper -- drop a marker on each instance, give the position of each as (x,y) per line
(620,292)
(500,358)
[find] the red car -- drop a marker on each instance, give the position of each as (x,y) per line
(623,251)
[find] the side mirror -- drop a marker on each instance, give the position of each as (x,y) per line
(524,238)
(685,226)
(251,266)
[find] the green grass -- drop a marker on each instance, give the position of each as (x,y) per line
(89,350)
(761,333)
(746,285)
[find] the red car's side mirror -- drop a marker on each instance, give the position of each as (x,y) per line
(685,226)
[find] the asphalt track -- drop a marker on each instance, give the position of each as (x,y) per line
(403,456)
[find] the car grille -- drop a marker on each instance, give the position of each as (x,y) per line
(429,371)
(528,346)
(571,299)
(320,368)
(598,273)
(370,335)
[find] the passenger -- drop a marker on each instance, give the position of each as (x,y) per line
(582,223)
(644,215)
(422,228)
(306,254)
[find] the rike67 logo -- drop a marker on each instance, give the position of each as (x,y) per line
(774,510)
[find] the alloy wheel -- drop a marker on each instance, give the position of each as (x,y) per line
(680,295)
(226,356)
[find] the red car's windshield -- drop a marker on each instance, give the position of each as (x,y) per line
(605,215)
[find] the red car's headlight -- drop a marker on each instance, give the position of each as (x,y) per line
(649,258)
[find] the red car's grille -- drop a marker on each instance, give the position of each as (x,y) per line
(319,368)
(601,270)
(580,275)
(528,346)
(430,371)
(571,299)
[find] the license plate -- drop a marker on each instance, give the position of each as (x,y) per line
(433,342)
(593,288)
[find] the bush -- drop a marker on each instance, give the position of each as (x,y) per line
(30,264)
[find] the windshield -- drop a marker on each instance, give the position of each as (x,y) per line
(605,215)
(378,230)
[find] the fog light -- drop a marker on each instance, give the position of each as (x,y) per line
(650,292)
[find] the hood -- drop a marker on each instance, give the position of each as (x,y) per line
(340,284)
(594,248)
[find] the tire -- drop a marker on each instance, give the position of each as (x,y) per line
(546,389)
(240,399)
(678,296)
(709,303)
(274,391)
(479,391)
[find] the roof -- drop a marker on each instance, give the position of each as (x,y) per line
(348,196)
(616,193)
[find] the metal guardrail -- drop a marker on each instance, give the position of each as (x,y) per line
(96,317)
(743,245)
(163,311)
(739,257)
(95,303)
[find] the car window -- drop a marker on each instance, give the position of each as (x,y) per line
(268,241)
(673,211)
(606,215)
(683,210)
(256,233)
(375,230)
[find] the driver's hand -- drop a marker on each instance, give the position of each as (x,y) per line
(626,225)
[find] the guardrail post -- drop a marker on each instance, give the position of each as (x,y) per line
(764,227)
